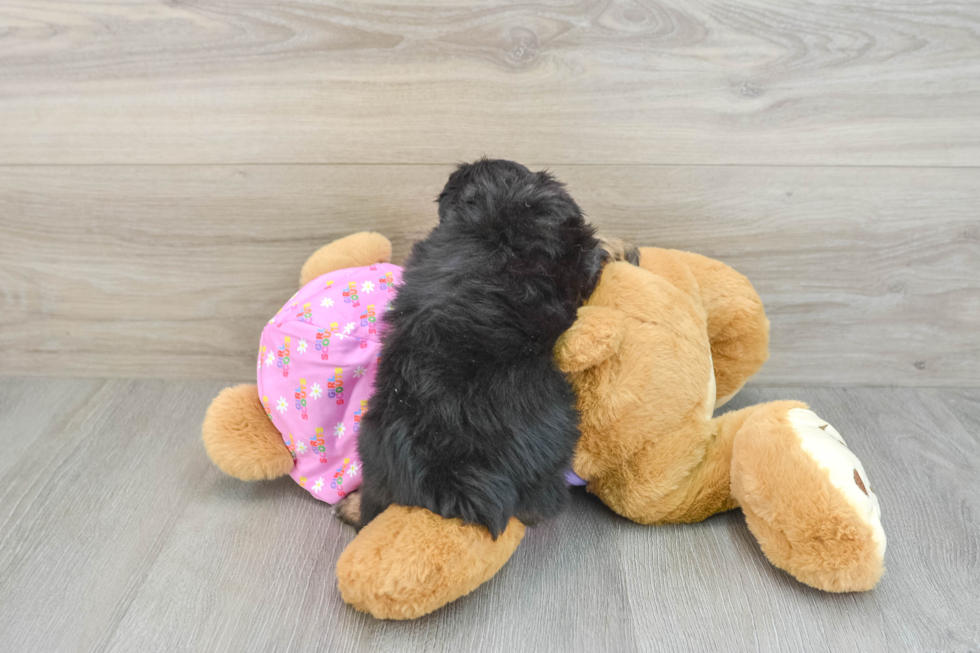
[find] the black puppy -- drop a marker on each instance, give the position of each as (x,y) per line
(470,417)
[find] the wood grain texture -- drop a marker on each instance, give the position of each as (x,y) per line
(870,275)
(113,520)
(592,81)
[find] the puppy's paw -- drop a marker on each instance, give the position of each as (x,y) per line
(618,249)
(348,509)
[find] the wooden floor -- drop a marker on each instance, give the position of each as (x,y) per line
(116,534)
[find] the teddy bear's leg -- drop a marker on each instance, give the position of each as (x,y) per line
(737,325)
(807,498)
(682,476)
(354,251)
(409,562)
(241,440)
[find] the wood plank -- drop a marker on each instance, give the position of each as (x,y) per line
(320,81)
(86,510)
(963,404)
(870,275)
(136,543)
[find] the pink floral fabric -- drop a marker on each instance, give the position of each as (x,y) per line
(317,361)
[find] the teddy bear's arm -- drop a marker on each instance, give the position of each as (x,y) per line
(409,562)
(594,337)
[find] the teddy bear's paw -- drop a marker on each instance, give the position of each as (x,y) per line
(241,440)
(825,445)
(409,562)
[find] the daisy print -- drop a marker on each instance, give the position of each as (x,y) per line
(301,447)
(367,287)
(349,327)
(353,470)
(359,371)
(301,347)
(326,302)
(281,405)
(339,430)
(270,359)
(316,391)
(318,485)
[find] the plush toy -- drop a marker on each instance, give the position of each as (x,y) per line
(655,350)
(315,373)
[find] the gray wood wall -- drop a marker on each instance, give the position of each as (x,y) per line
(165,168)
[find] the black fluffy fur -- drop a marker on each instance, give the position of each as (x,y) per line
(470,417)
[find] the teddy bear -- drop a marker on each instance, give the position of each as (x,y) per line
(654,352)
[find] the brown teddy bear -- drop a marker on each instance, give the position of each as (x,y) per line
(655,350)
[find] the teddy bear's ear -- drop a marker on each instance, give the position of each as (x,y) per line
(594,337)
